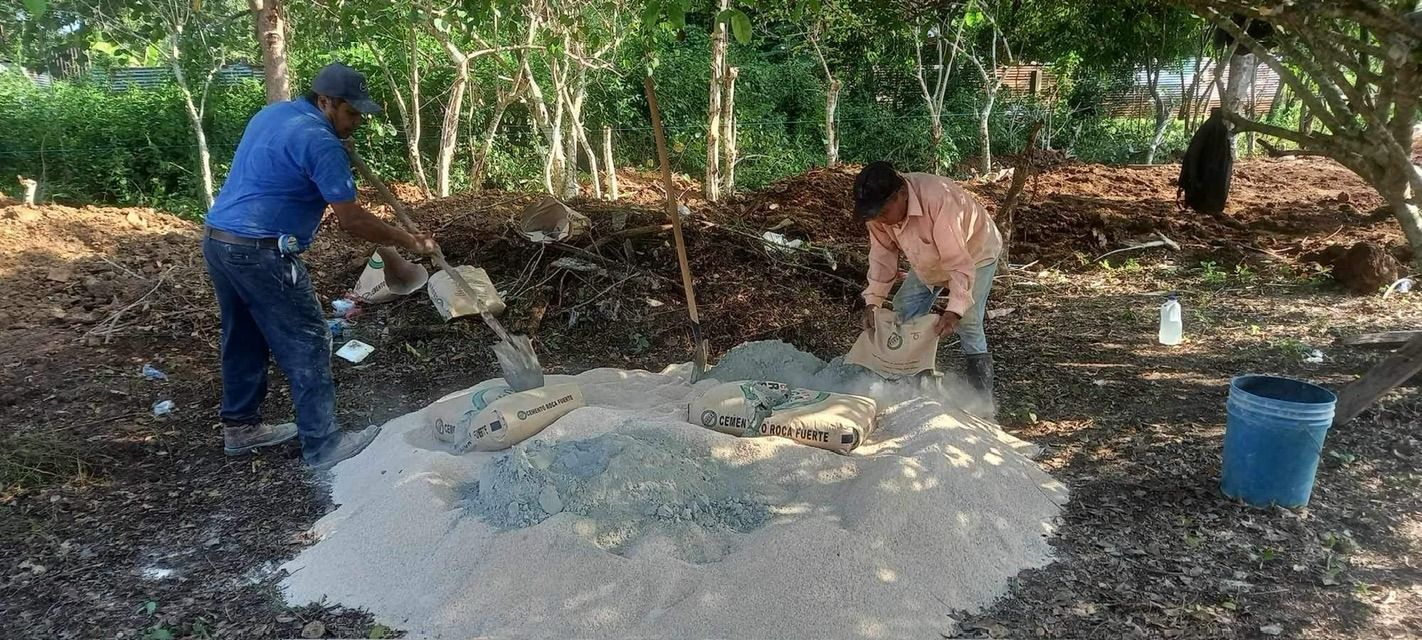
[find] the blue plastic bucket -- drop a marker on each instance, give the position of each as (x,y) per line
(1273,438)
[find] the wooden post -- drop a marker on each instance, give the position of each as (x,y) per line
(1389,373)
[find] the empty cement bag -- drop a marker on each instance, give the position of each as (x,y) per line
(549,220)
(516,417)
(449,417)
(751,408)
(373,287)
(895,349)
(450,300)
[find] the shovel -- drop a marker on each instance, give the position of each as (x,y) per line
(698,343)
(515,353)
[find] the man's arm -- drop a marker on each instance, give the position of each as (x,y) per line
(330,168)
(953,251)
(883,265)
(363,224)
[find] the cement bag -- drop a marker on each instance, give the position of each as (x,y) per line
(372,287)
(450,300)
(449,417)
(516,417)
(895,350)
(549,220)
(736,408)
(750,408)
(836,422)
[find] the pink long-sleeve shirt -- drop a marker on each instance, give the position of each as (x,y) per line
(946,237)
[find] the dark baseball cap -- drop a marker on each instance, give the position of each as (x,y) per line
(873,187)
(336,80)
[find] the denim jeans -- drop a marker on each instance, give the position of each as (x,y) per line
(915,298)
(270,308)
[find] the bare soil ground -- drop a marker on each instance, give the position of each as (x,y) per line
(116,522)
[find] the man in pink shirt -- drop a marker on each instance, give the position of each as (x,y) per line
(950,242)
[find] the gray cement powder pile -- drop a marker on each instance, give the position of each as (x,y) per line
(623,520)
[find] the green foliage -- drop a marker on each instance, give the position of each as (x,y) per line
(88,144)
(85,143)
(1211,273)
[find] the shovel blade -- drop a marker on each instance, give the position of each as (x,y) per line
(519,363)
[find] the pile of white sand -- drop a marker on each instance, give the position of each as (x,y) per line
(622,520)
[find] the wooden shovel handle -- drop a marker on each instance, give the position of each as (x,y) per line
(403,215)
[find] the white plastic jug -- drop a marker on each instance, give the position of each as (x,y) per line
(1171,329)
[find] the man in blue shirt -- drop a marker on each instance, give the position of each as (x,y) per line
(289,166)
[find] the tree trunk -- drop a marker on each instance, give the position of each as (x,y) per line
(1252,106)
(831,129)
(711,186)
(580,132)
(1241,67)
(728,130)
(271,33)
(1162,115)
(570,154)
(555,166)
(936,134)
(449,130)
(1407,208)
(413,121)
(486,145)
(984,134)
(409,117)
(543,120)
(195,120)
(607,166)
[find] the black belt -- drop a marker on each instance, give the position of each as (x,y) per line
(232,238)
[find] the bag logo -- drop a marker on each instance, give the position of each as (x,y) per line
(895,341)
(708,418)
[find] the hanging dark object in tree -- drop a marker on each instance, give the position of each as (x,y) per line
(1261,31)
(1205,169)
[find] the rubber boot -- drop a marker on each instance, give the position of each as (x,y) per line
(979,374)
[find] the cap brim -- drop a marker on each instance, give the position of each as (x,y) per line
(365,106)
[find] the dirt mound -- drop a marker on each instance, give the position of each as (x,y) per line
(1289,206)
(818,203)
(97,272)
(644,187)
(1364,268)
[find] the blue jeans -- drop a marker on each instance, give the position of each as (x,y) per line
(269,307)
(915,298)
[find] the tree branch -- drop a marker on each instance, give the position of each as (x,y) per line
(1329,117)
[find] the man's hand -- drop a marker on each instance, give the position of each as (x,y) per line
(420,243)
(866,319)
(947,323)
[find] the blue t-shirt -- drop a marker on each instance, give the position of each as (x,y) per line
(289,165)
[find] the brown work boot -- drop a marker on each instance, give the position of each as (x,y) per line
(240,439)
(340,446)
